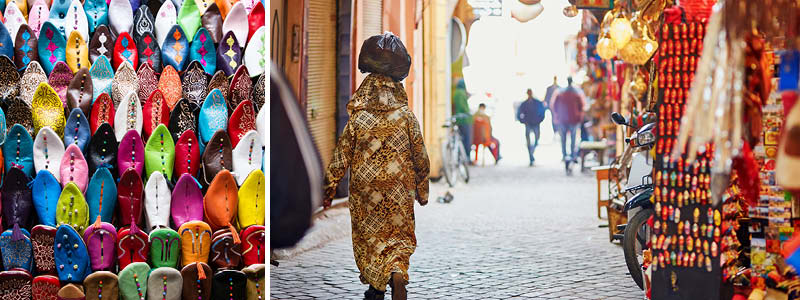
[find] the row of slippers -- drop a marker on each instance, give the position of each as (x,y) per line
(72,252)
(158,204)
(99,130)
(65,252)
(78,154)
(102,95)
(138,281)
(157,33)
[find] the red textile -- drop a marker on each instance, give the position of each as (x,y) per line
(747,168)
(672,15)
(697,10)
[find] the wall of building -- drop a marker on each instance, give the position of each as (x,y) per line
(436,89)
(277,30)
(294,41)
(399,18)
(343,63)
(343,72)
(367,21)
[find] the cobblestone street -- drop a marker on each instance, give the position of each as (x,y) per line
(512,232)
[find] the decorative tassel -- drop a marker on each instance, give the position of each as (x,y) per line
(16,233)
(97,222)
(134,229)
(100,208)
(201,273)
(235,235)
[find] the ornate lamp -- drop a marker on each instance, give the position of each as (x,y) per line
(526,10)
(621,32)
(606,48)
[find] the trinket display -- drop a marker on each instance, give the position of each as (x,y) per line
(723,85)
(691,223)
(774,209)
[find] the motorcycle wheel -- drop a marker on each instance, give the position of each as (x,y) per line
(636,236)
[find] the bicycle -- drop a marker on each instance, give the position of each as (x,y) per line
(455,160)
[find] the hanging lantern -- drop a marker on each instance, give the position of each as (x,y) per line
(570,11)
(638,86)
(606,48)
(524,12)
(639,50)
(608,18)
(621,32)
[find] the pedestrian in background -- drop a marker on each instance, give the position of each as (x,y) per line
(483,133)
(549,96)
(568,112)
(462,115)
(531,113)
(382,146)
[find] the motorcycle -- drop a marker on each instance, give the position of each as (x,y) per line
(639,184)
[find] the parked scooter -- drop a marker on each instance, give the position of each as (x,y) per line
(640,184)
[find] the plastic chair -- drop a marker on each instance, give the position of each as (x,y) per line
(481,136)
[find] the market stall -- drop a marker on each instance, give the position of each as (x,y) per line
(724,83)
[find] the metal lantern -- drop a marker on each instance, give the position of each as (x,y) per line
(606,48)
(525,12)
(621,32)
(570,11)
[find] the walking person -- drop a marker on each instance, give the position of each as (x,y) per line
(463,117)
(550,95)
(568,112)
(382,146)
(531,113)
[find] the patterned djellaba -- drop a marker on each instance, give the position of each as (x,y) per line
(685,239)
(389,178)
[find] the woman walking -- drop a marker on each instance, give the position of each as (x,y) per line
(382,146)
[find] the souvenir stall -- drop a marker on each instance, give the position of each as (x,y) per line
(131,149)
(725,207)
(720,83)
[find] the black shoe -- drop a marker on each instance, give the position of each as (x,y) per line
(373,294)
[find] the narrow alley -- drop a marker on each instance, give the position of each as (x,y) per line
(512,231)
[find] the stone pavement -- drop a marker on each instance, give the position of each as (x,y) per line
(512,232)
